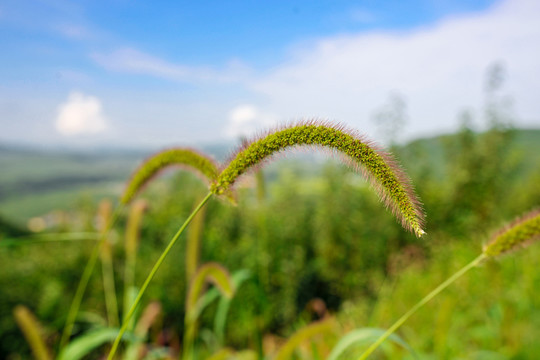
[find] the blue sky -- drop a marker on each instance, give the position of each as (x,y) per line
(133,73)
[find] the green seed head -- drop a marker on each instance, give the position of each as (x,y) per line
(214,273)
(188,158)
(133,226)
(521,232)
(390,182)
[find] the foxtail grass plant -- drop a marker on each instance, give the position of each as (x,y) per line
(385,175)
(520,233)
(181,157)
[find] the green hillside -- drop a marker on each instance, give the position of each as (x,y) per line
(308,230)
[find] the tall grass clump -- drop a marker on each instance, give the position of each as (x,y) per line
(521,232)
(180,157)
(389,180)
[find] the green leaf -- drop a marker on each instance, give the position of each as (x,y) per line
(364,336)
(238,278)
(85,343)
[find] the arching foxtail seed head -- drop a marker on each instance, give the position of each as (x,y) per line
(519,233)
(184,157)
(390,182)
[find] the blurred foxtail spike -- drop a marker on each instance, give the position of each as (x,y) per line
(188,158)
(523,231)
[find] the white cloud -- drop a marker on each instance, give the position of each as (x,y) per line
(79,115)
(134,61)
(440,70)
(245,120)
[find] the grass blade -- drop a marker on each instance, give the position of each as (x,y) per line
(364,336)
(86,343)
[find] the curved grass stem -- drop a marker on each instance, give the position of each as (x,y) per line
(150,276)
(81,288)
(421,303)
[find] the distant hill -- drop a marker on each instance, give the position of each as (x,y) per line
(525,144)
(34,182)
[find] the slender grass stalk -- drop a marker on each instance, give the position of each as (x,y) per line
(111,302)
(151,275)
(193,245)
(83,283)
(107,270)
(131,245)
(32,332)
(421,303)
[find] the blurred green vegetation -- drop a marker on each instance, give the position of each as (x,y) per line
(312,229)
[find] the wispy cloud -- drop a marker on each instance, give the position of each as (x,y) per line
(439,69)
(362,16)
(130,60)
(74,31)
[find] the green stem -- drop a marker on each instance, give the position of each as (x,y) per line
(129,280)
(107,270)
(151,275)
(421,303)
(77,299)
